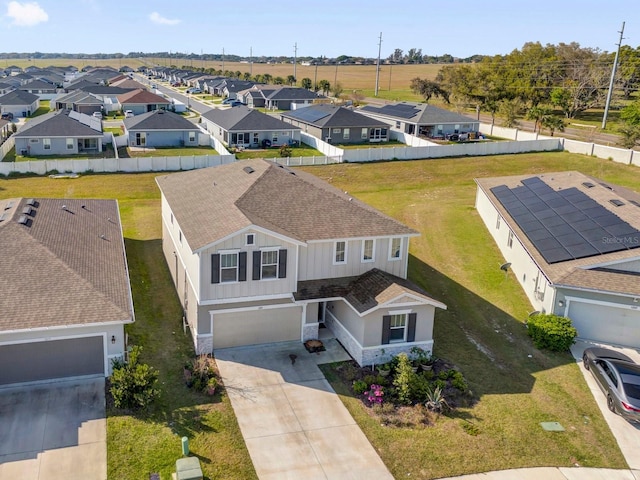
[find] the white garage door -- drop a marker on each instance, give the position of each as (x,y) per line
(605,323)
(255,327)
(35,361)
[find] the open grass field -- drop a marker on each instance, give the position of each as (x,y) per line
(481,331)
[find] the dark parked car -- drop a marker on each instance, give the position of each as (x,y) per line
(7,116)
(618,376)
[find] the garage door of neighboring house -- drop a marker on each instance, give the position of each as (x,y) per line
(605,323)
(255,327)
(31,362)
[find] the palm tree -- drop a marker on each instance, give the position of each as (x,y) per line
(291,80)
(553,123)
(306,83)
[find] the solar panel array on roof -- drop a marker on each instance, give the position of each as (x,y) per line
(565,224)
(400,110)
(309,114)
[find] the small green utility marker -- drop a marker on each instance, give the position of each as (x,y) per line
(552,426)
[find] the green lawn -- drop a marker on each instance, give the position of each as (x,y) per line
(150,442)
(303,150)
(355,146)
(482,330)
(172,152)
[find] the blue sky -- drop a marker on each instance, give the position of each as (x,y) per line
(328,27)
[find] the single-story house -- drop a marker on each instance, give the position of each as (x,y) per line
(79,101)
(65,289)
(572,242)
(142,101)
(20,103)
(245,127)
(260,253)
(421,119)
(44,90)
(335,124)
(61,132)
(278,97)
(161,128)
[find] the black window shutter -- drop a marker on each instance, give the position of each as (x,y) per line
(282,264)
(255,275)
(242,266)
(411,333)
(215,268)
(386,329)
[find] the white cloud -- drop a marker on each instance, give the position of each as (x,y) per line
(155,17)
(26,14)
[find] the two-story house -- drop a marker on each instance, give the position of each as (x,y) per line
(260,253)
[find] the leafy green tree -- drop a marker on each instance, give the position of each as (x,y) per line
(404,378)
(510,110)
(306,83)
(630,135)
(267,78)
(246,76)
(291,80)
(631,113)
(325,86)
(337,90)
(278,81)
(628,71)
(428,89)
(537,113)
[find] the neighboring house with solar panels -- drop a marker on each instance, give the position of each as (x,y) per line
(334,124)
(248,128)
(62,132)
(65,288)
(260,253)
(421,119)
(572,241)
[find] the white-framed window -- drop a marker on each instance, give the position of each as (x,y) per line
(364,133)
(268,264)
(46,143)
(398,328)
(250,239)
(345,133)
(69,143)
(397,123)
(336,130)
(192,137)
(340,253)
(274,139)
(368,249)
(34,140)
(395,248)
(228,267)
(498,222)
(510,239)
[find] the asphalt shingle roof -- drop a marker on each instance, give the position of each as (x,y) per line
(141,96)
(418,113)
(58,124)
(243,118)
(66,267)
(159,120)
(212,203)
(18,97)
(332,116)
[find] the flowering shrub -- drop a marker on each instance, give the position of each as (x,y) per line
(375,394)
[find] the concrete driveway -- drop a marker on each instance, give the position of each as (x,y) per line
(54,431)
(292,421)
(627,434)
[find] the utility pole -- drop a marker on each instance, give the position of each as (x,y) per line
(223,60)
(378,66)
(295,59)
(613,74)
(315,78)
(251,61)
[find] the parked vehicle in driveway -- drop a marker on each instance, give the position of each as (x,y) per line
(97,114)
(7,116)
(618,376)
(128,113)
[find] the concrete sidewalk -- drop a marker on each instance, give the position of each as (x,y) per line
(293,423)
(553,473)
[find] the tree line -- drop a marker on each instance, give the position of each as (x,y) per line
(538,80)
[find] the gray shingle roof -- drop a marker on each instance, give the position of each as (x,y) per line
(59,124)
(18,97)
(212,203)
(159,120)
(418,113)
(243,118)
(67,267)
(332,116)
